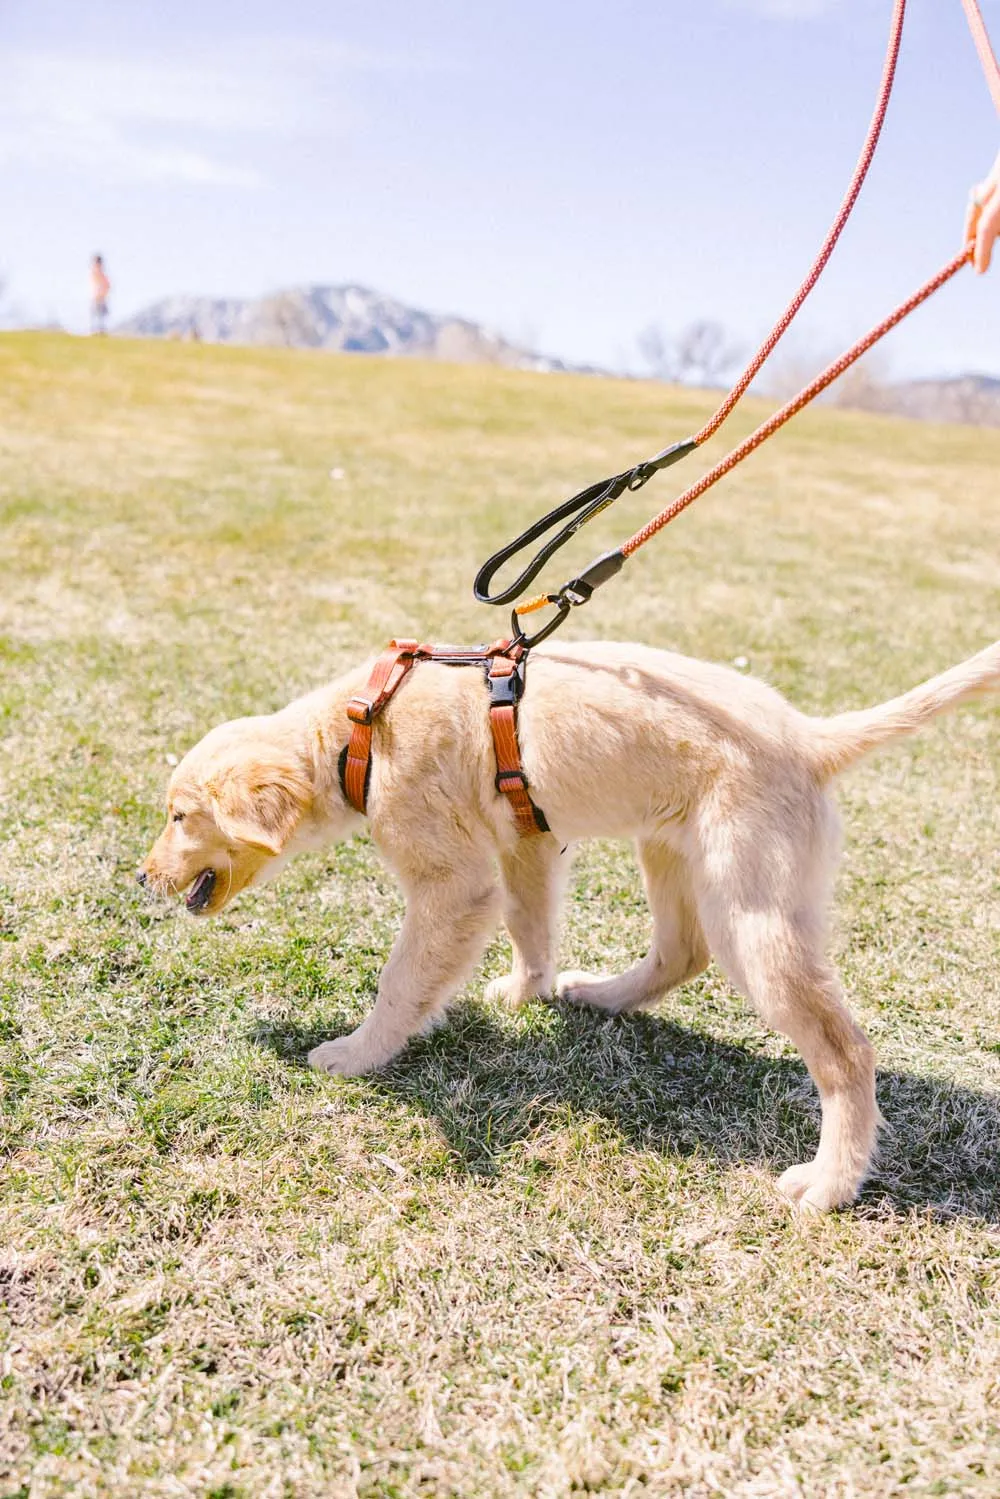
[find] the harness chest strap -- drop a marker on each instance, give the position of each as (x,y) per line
(387,673)
(505,681)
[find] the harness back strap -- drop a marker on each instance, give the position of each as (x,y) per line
(504,663)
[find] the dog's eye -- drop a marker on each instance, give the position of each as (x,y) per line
(178,817)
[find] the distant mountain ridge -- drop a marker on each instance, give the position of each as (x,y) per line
(973,399)
(356,319)
(348,319)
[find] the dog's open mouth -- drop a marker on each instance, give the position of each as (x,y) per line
(200,893)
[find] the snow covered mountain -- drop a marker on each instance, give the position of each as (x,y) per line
(351,319)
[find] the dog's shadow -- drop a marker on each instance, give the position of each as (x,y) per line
(677,1091)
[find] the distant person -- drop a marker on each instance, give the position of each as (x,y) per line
(982,221)
(100,287)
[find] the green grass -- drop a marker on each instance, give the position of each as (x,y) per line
(543,1254)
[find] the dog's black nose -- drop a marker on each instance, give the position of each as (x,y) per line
(141,878)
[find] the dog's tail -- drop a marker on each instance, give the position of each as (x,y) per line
(838,742)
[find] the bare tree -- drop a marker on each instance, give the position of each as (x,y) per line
(700,354)
(792,366)
(704,353)
(655,351)
(973,401)
(865,386)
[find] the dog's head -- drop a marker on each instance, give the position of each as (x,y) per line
(233,806)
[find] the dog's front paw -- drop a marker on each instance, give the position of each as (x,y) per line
(813,1190)
(343,1058)
(578,988)
(515,990)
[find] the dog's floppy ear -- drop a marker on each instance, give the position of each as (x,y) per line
(260,801)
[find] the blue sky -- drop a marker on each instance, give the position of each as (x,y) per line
(567,173)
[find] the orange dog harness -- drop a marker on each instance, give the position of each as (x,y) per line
(504,662)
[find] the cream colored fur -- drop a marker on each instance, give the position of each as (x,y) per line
(719,781)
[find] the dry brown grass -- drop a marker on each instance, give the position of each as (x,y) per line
(542,1255)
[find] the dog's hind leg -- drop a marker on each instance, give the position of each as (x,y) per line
(761,905)
(533,877)
(450,912)
(679,950)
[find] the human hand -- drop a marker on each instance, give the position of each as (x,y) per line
(982,219)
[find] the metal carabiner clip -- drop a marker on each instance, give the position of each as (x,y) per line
(570,596)
(527,641)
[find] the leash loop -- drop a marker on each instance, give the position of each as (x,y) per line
(582,507)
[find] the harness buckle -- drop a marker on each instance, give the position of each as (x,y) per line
(360,710)
(505,691)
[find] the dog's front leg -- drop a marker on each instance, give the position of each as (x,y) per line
(450,914)
(533,875)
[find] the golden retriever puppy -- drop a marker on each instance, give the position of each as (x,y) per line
(720,782)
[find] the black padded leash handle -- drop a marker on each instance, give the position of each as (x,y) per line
(581,508)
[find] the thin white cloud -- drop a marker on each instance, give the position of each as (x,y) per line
(100,146)
(122,119)
(134,119)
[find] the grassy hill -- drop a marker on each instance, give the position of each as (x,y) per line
(543,1254)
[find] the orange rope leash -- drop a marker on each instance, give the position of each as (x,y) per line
(583,507)
(779,417)
(590,502)
(860,173)
(992,71)
(796,404)
(980,36)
